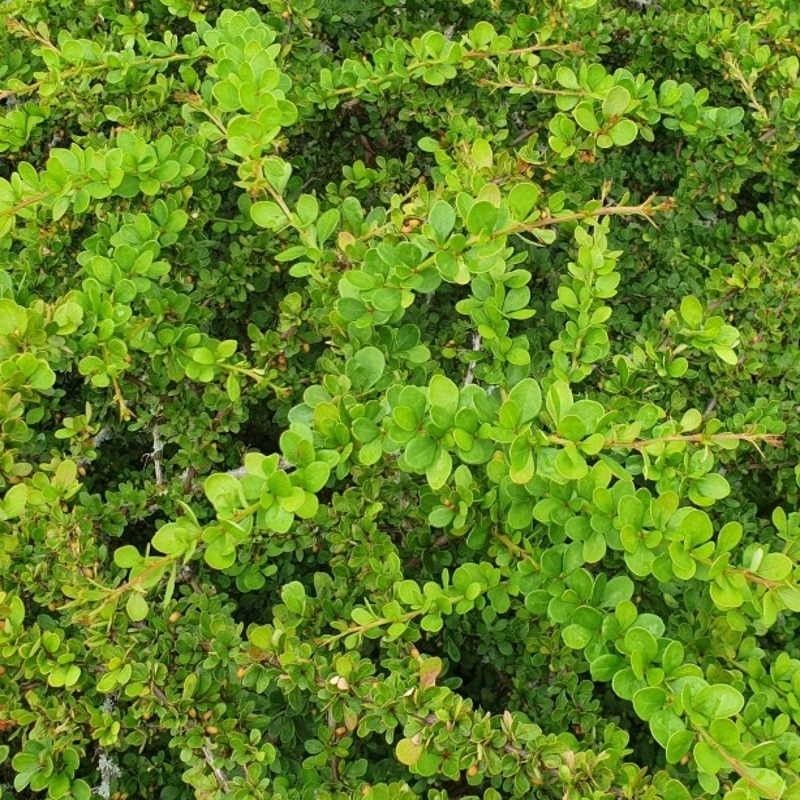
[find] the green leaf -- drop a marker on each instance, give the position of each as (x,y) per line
(585,117)
(624,132)
(672,657)
(567,78)
(169,538)
(603,668)
(559,400)
(520,515)
(775,567)
(431,623)
(482,218)
(708,759)
(233,388)
(136,607)
(267,214)
(327,224)
(692,311)
(420,453)
(618,589)
(527,397)
(641,641)
(227,95)
(307,209)
(692,525)
(441,516)
(438,472)
(769,783)
(522,464)
(616,102)
(647,701)
(366,368)
(570,464)
(522,199)
(443,394)
(718,701)
(625,683)
(442,218)
(712,486)
(260,636)
(409,593)
(14,502)
(315,475)
(408,752)
(127,556)
(576,636)
(726,733)
(572,427)
(224,491)
(13,318)
(481,154)
(664,722)
(219,554)
(293,595)
(594,548)
(678,745)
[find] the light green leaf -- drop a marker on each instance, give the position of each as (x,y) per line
(126,556)
(136,607)
(267,214)
(420,453)
(293,595)
(442,218)
(438,472)
(616,102)
(522,199)
(408,752)
(718,701)
(366,368)
(585,117)
(576,636)
(443,394)
(775,567)
(649,700)
(624,132)
(692,311)
(527,397)
(481,218)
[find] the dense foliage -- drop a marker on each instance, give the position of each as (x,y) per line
(398,399)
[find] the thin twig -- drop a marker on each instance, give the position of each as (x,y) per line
(476,346)
(156,455)
(218,773)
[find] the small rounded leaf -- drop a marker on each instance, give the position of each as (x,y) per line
(624,132)
(366,368)
(408,752)
(136,607)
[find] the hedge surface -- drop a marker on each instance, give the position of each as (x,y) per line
(398,399)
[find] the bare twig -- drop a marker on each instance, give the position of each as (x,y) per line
(218,773)
(108,770)
(156,455)
(737,73)
(476,346)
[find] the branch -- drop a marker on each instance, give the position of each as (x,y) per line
(646,209)
(695,438)
(156,455)
(476,346)
(218,773)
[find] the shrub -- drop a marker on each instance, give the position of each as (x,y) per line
(399,400)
